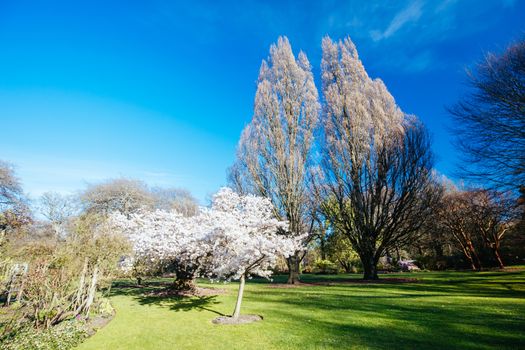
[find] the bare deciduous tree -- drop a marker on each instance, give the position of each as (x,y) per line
(58,209)
(14,211)
(454,217)
(274,151)
(123,195)
(493,215)
(377,162)
(490,121)
(11,192)
(476,217)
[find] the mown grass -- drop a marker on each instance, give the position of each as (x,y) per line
(445,310)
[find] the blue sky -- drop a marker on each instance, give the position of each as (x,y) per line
(160,90)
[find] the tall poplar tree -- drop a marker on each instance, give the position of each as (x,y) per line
(275,149)
(377,160)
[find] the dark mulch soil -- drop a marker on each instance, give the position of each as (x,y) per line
(242,319)
(196,292)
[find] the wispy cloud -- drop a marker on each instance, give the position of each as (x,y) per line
(412,13)
(415,33)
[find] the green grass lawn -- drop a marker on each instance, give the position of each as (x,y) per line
(449,310)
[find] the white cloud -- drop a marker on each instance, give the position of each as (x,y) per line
(411,13)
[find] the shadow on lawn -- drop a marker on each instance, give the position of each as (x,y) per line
(470,311)
(145,295)
(442,311)
(416,328)
(181,303)
(484,284)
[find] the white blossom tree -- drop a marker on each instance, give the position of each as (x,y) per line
(275,149)
(234,239)
(165,238)
(244,239)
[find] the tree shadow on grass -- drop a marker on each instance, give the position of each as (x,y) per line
(502,284)
(148,294)
(180,302)
(413,328)
(397,321)
(463,311)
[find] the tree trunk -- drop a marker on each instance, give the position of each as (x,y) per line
(21,290)
(293,262)
(184,284)
(81,284)
(9,291)
(237,310)
(369,267)
(92,290)
(185,279)
(477,260)
(323,247)
(495,249)
(8,299)
(468,254)
(345,265)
